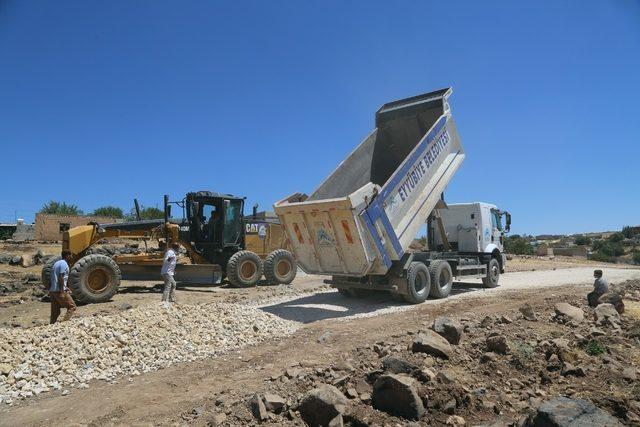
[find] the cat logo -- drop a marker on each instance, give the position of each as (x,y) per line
(323,238)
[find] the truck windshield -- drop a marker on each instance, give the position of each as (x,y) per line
(232,223)
(496,220)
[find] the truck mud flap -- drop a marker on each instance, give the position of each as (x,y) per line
(202,274)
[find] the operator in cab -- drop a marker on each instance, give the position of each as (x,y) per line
(168,271)
(58,291)
(212,225)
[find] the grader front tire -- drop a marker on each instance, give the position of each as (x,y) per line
(244,269)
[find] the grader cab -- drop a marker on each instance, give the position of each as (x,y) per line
(218,241)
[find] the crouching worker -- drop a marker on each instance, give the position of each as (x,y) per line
(600,287)
(167,272)
(58,291)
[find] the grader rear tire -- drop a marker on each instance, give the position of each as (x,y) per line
(280,267)
(94,278)
(244,269)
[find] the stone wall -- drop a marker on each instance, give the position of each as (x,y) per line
(49,228)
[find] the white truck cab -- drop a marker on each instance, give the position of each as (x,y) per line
(473,227)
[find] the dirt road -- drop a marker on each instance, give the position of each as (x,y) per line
(165,396)
(332,305)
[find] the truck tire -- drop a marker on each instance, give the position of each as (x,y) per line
(280,268)
(418,283)
(94,278)
(441,279)
(493,274)
(46,272)
(244,269)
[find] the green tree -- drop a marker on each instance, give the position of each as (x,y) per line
(109,211)
(616,237)
(518,245)
(146,213)
(582,240)
(629,232)
(151,213)
(60,208)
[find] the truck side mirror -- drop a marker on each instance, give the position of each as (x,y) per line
(508,219)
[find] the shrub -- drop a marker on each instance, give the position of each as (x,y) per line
(522,354)
(582,240)
(616,238)
(599,256)
(636,257)
(608,248)
(517,245)
(595,348)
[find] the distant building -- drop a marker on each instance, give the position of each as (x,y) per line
(49,228)
(23,231)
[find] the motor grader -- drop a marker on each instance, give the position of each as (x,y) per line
(216,238)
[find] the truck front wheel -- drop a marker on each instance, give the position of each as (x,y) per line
(493,274)
(244,269)
(441,279)
(418,283)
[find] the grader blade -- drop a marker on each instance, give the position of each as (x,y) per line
(200,274)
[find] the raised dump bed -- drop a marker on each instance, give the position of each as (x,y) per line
(368,211)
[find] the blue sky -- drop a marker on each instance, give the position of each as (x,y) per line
(101,102)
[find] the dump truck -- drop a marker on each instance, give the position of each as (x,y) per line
(218,241)
(360,224)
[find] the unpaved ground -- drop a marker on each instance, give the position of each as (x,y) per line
(333,330)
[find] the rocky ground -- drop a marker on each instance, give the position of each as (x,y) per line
(523,367)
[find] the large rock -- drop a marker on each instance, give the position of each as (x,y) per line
(497,344)
(449,329)
(257,408)
(396,365)
(322,405)
(273,402)
(397,395)
(16,260)
(528,313)
(569,311)
(565,412)
(431,343)
(5,258)
(613,298)
(606,314)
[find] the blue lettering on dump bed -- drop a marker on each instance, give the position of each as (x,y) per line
(411,172)
(420,169)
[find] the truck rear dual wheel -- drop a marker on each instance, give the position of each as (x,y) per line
(441,279)
(244,269)
(94,278)
(280,267)
(418,283)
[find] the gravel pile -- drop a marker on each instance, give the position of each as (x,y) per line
(142,339)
